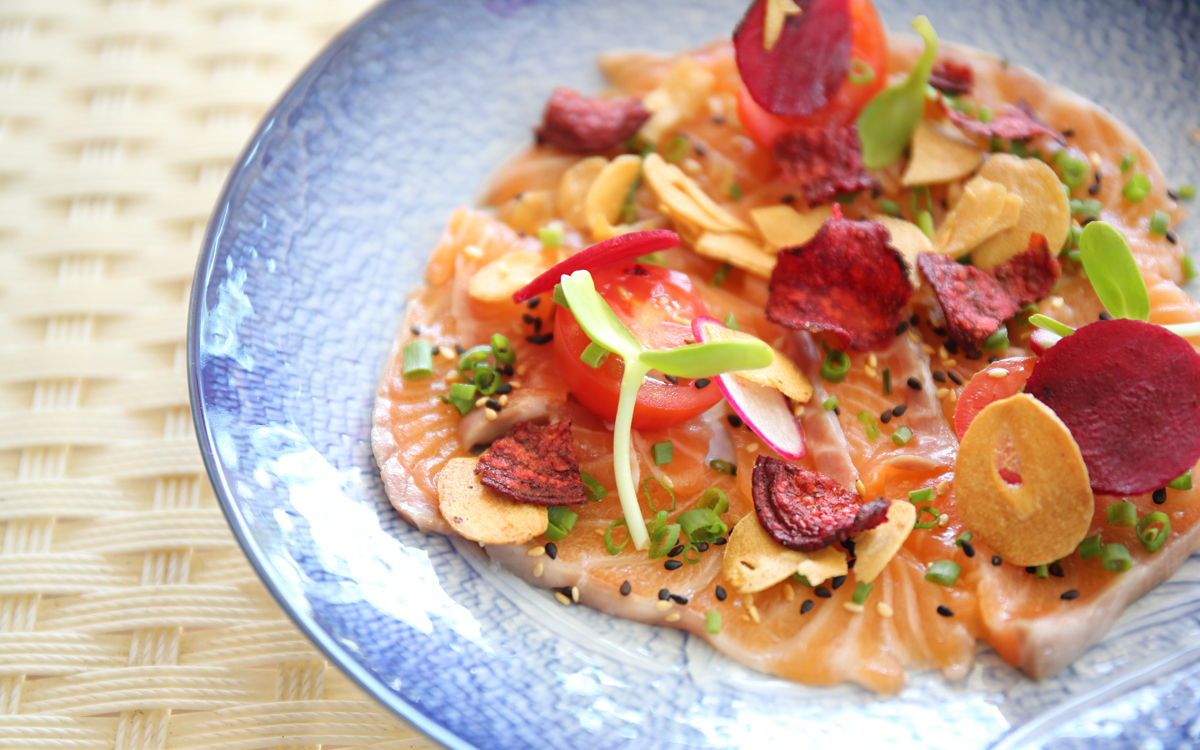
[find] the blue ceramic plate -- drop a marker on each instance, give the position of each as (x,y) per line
(325,225)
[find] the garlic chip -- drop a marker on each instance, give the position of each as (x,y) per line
(909,240)
(754,561)
(528,211)
(683,91)
(876,548)
(481,515)
(606,196)
(1021,484)
(573,189)
(940,154)
(1044,209)
(737,250)
(685,201)
(783,226)
(984,209)
(776,13)
(781,374)
(498,280)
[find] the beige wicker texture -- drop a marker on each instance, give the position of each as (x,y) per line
(129,617)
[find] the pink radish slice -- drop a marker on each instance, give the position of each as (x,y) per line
(613,250)
(1041,340)
(763,409)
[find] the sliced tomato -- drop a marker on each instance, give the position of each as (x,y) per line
(983,389)
(869,45)
(657,304)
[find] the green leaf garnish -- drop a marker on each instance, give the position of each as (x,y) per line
(597,319)
(1113,272)
(705,360)
(1051,325)
(888,121)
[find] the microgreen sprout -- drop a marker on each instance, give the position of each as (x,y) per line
(888,121)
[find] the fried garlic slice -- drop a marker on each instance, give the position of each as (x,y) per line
(940,154)
(481,515)
(755,562)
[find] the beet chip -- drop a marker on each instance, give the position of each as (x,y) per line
(952,78)
(806,511)
(533,464)
(1019,123)
(824,162)
(847,280)
(976,303)
(1128,392)
(584,125)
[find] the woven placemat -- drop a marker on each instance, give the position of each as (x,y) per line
(129,617)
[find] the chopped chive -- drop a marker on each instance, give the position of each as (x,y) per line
(731,322)
(1188,265)
(887,381)
(1116,558)
(889,207)
(1154,538)
(551,235)
(735,192)
(594,355)
(963,538)
(868,423)
(861,592)
(925,223)
(1122,514)
(612,548)
(561,523)
(920,496)
(722,273)
(1160,222)
(998,341)
(945,572)
(1187,191)
(902,435)
(592,489)
(664,452)
(1042,571)
(723,466)
(1183,482)
(1090,547)
(418,359)
(1137,188)
(861,73)
(932,511)
(712,621)
(676,149)
(835,367)
(462,397)
(830,403)
(1127,162)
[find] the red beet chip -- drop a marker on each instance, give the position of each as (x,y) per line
(534,464)
(976,303)
(847,280)
(952,78)
(1019,123)
(806,511)
(613,250)
(825,162)
(585,125)
(1129,393)
(806,66)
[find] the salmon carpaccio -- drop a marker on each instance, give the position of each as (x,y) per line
(1023,617)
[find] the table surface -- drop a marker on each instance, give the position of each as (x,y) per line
(129,617)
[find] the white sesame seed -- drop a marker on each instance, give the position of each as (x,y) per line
(789,593)
(692,167)
(600,532)
(950,362)
(535,551)
(1095,160)
(913,336)
(1057,302)
(668,481)
(943,353)
(503,399)
(943,392)
(539,569)
(473,252)
(798,411)
(872,360)
(562,598)
(479,402)
(953,396)
(447,352)
(943,520)
(852,607)
(515,384)
(490,414)
(884,609)
(662,605)
(862,488)
(673,617)
(927,349)
(943,487)
(575,594)
(754,614)
(521,369)
(998,373)
(752,448)
(869,371)
(452,375)
(745,618)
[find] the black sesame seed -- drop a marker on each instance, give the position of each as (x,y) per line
(915,320)
(672,379)
(968,549)
(493,404)
(735,421)
(503,389)
(993,360)
(537,325)
(1173,194)
(507,370)
(700,150)
(529,319)
(702,383)
(1095,186)
(788,199)
(533,302)
(939,376)
(996,560)
(837,410)
(552,550)
(721,593)
(1160,496)
(898,411)
(626,589)
(679,599)
(886,416)
(1030,569)
(955,377)
(822,592)
(900,329)
(702,546)
(566,591)
(850,563)
(1069,595)
(939,331)
(837,582)
(807,606)
(1172,237)
(672,565)
(540,338)
(848,545)
(1105,316)
(718,119)
(676,551)
(416,330)
(951,347)
(1069,133)
(914,384)
(459,348)
(1055,570)
(877,191)
(719,541)
(945,611)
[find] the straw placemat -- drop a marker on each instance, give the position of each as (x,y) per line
(129,617)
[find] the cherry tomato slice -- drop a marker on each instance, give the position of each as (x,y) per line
(657,304)
(868,45)
(983,389)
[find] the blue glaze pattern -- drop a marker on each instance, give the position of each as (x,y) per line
(326,224)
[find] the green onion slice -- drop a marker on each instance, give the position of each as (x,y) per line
(1042,572)
(551,235)
(1090,547)
(901,436)
(1154,538)
(676,149)
(920,496)
(1116,558)
(1182,482)
(663,540)
(487,379)
(561,523)
(462,397)
(861,592)
(592,490)
(716,500)
(932,511)
(608,540)
(723,466)
(868,423)
(690,555)
(836,365)
(472,358)
(1160,222)
(1137,188)
(594,355)
(712,621)
(998,341)
(701,525)
(945,572)
(731,322)
(1122,514)
(663,452)
(861,73)
(830,403)
(502,350)
(650,500)
(964,537)
(418,359)
(722,273)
